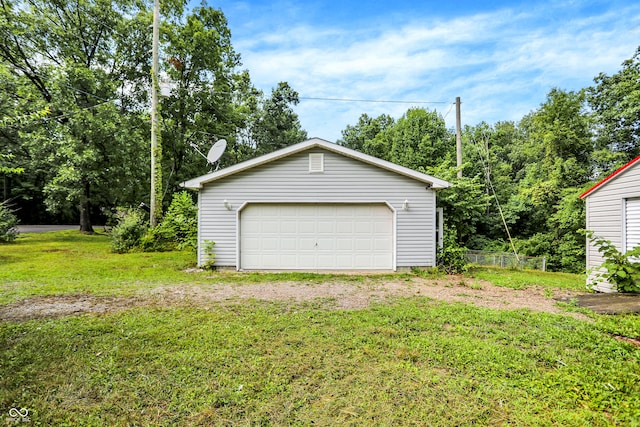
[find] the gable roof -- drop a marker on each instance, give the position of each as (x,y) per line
(610,177)
(197,183)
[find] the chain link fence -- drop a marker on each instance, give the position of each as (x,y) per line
(506,260)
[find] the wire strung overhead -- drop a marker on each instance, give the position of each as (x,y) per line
(381,101)
(487,173)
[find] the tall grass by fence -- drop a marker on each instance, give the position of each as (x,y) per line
(507,260)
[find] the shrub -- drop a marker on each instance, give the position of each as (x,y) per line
(179,227)
(177,230)
(151,241)
(8,224)
(451,257)
(127,233)
(622,270)
(210,255)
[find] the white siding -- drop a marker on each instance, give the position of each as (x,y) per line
(606,212)
(344,180)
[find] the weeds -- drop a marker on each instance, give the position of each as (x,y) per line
(521,279)
(413,362)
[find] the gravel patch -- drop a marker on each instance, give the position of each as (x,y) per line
(331,294)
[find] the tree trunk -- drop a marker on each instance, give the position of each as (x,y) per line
(85,218)
(6,188)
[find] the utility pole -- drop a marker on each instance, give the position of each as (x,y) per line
(458,138)
(156,146)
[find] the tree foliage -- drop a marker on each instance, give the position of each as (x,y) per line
(615,101)
(8,224)
(361,135)
(276,125)
(63,56)
(87,64)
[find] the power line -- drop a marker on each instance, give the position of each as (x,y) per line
(87,93)
(386,101)
(449,110)
(487,172)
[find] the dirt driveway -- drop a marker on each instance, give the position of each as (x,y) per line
(332,294)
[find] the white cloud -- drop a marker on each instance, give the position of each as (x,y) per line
(502,64)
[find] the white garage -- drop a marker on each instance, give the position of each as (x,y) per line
(316,236)
(317,206)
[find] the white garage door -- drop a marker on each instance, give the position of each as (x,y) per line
(316,237)
(632,223)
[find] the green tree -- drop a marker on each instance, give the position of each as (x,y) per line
(68,52)
(545,211)
(277,125)
(615,101)
(419,139)
(464,204)
(560,133)
(488,155)
(360,136)
(201,67)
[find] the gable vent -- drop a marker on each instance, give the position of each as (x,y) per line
(316,162)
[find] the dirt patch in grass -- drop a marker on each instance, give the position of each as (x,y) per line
(331,295)
(62,305)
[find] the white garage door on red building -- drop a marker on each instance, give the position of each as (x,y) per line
(322,236)
(632,223)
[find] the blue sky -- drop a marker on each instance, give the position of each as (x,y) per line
(500,57)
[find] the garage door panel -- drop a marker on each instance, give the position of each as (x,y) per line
(251,244)
(302,212)
(288,243)
(288,227)
(307,243)
(381,244)
(326,227)
(363,244)
(271,261)
(326,259)
(326,244)
(343,226)
(362,227)
(305,226)
(344,244)
(379,258)
(362,261)
(343,263)
(270,245)
(316,236)
(303,260)
(251,226)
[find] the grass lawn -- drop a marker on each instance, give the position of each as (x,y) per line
(412,361)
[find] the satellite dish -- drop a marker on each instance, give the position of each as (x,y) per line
(216,151)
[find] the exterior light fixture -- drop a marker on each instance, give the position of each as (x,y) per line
(405,205)
(227,204)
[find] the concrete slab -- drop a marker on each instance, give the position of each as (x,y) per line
(610,303)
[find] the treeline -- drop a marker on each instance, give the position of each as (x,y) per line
(526,176)
(75,82)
